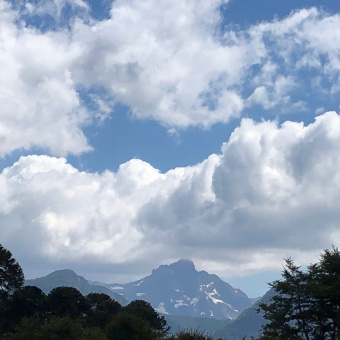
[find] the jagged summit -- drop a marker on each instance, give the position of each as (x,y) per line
(186,266)
(179,289)
(183,264)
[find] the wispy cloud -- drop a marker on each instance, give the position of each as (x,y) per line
(178,69)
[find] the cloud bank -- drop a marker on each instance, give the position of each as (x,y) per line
(272,191)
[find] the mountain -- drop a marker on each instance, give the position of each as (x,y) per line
(69,278)
(248,324)
(179,289)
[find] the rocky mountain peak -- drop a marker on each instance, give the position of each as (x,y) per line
(180,267)
(179,289)
(183,265)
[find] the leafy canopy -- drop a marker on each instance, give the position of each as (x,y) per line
(11,274)
(307,303)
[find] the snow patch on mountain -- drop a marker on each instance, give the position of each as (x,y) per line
(161,308)
(180,303)
(194,301)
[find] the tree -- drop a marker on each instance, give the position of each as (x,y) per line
(67,301)
(27,302)
(11,279)
(56,329)
(102,308)
(11,274)
(307,303)
(30,301)
(143,310)
(125,326)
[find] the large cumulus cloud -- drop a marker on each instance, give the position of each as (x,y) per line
(273,191)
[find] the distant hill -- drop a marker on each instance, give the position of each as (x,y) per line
(179,289)
(248,324)
(69,278)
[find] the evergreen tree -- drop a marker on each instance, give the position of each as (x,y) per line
(11,279)
(67,301)
(11,274)
(143,310)
(102,309)
(125,326)
(307,303)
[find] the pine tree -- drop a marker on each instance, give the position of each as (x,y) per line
(11,274)
(307,303)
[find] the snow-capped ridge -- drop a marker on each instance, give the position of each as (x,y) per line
(179,289)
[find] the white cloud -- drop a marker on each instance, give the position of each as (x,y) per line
(53,8)
(170,68)
(308,40)
(39,104)
(272,192)
(176,68)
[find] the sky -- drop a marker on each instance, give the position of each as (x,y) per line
(136,133)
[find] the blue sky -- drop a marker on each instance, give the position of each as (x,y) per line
(137,133)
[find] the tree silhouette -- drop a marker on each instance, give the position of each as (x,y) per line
(143,310)
(11,279)
(102,308)
(67,301)
(306,305)
(11,274)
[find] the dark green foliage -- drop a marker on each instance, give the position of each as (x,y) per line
(26,313)
(11,279)
(66,314)
(143,310)
(97,299)
(67,329)
(307,303)
(26,302)
(11,274)
(30,301)
(102,308)
(125,326)
(67,301)
(26,329)
(56,329)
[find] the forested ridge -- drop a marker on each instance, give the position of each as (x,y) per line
(27,313)
(305,306)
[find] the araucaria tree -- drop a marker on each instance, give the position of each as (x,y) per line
(11,274)
(307,303)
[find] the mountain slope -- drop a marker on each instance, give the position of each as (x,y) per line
(178,289)
(69,278)
(248,324)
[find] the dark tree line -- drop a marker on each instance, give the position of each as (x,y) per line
(306,306)
(27,313)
